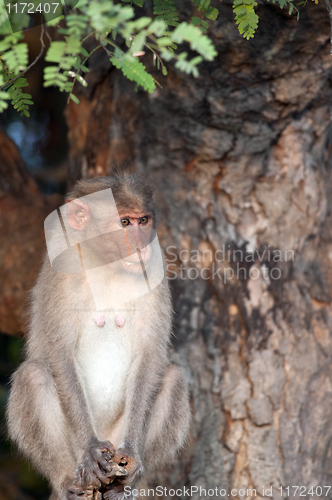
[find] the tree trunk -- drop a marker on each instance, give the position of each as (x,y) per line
(240,159)
(22,213)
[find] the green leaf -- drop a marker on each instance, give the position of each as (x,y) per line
(55,52)
(188,66)
(167,54)
(21,82)
(138,42)
(74,98)
(53,22)
(84,52)
(134,71)
(158,27)
(165,10)
(199,42)
(16,58)
(195,21)
(19,100)
(164,41)
(3,105)
(211,13)
(140,23)
(245,17)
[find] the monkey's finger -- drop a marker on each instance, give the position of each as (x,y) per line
(73,496)
(110,495)
(108,455)
(108,447)
(115,493)
(87,478)
(75,492)
(103,463)
(117,471)
(120,471)
(93,483)
(76,489)
(99,457)
(102,477)
(121,457)
(92,480)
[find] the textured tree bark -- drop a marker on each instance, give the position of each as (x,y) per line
(240,159)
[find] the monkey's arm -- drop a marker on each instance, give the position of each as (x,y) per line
(144,381)
(89,451)
(146,377)
(72,396)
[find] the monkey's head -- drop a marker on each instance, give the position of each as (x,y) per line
(117,225)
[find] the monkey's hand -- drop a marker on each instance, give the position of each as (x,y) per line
(75,492)
(133,466)
(96,465)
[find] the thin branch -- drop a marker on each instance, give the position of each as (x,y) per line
(33,62)
(92,33)
(329,10)
(82,64)
(47,33)
(109,41)
(107,51)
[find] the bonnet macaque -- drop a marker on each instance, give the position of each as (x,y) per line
(96,404)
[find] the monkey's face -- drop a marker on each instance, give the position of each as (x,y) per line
(112,233)
(137,227)
(111,240)
(128,239)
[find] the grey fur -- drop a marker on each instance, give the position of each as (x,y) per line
(49,415)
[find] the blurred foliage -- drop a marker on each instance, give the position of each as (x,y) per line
(115,28)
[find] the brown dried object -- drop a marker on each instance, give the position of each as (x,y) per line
(117,471)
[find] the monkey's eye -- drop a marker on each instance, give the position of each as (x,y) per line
(144,220)
(125,222)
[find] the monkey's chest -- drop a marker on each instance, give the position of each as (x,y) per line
(103,356)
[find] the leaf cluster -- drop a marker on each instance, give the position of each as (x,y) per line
(108,23)
(13,61)
(245,17)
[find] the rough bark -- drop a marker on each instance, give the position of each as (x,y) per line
(22,213)
(241,160)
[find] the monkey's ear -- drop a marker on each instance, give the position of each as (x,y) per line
(78,214)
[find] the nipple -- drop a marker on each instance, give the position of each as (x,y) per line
(119,320)
(99,319)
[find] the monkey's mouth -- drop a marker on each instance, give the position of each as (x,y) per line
(139,261)
(135,267)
